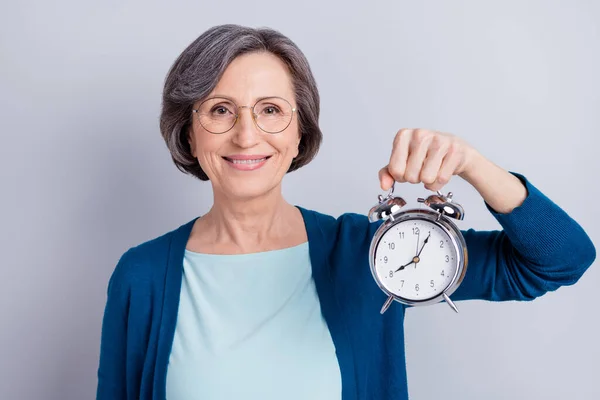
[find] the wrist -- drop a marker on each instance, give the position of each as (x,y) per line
(474,166)
(500,189)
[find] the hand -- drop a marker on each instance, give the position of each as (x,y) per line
(430,157)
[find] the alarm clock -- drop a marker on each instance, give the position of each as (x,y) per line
(418,256)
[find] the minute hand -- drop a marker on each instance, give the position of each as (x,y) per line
(424,243)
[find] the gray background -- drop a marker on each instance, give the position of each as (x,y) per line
(85,173)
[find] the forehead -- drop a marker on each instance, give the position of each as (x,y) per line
(255,75)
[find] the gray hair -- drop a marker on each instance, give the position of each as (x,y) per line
(197,70)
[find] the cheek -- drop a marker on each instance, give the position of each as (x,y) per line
(295,142)
(200,143)
(287,147)
(203,142)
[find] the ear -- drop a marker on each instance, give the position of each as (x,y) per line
(298,145)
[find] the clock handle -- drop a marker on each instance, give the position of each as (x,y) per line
(450,302)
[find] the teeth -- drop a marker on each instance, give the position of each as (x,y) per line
(248,161)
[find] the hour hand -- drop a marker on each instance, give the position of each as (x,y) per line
(405,265)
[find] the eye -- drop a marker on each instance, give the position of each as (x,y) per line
(220,110)
(270,109)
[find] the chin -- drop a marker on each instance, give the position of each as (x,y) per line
(249,188)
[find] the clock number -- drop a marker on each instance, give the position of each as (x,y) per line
(431,283)
(417,287)
(401,235)
(441,244)
(402,283)
(391,274)
(392,245)
(442,273)
(385,259)
(415,231)
(447,258)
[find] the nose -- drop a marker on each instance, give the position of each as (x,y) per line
(246,133)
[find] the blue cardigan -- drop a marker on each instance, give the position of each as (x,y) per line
(539,249)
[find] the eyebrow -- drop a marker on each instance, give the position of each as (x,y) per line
(234,101)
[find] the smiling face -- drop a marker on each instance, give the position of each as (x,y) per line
(246,162)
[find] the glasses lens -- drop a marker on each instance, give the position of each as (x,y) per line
(273,114)
(217,115)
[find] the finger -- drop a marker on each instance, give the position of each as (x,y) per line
(386,180)
(449,165)
(433,160)
(397,165)
(416,154)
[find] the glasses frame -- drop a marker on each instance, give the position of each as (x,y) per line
(238,113)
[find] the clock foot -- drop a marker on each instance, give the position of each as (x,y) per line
(386,305)
(450,302)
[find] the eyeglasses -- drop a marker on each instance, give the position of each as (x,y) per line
(219,114)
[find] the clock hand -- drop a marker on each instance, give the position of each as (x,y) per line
(418,237)
(416,258)
(405,265)
(424,243)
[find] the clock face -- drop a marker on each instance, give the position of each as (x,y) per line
(416,259)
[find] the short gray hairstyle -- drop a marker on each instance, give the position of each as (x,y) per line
(197,70)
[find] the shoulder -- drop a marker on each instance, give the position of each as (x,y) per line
(147,261)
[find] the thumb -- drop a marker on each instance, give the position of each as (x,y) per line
(385,178)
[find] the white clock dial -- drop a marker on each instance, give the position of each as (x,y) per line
(416,260)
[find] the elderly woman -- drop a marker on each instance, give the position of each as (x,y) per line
(261,299)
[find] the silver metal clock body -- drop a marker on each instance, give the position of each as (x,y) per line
(418,256)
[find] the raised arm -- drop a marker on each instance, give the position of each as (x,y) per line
(540,247)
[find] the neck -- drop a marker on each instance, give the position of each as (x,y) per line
(249,225)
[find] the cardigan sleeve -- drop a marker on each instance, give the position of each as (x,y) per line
(539,249)
(113,342)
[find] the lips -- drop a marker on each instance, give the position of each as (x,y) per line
(253,160)
(246,162)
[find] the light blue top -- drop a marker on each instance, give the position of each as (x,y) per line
(250,326)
